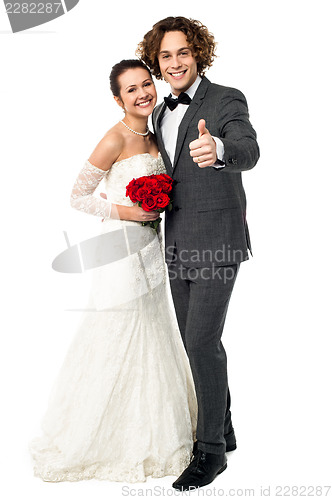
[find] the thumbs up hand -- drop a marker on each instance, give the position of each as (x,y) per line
(204,149)
(202,128)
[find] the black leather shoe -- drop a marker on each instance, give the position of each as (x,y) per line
(202,470)
(230,442)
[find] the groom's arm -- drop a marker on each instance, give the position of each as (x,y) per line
(241,151)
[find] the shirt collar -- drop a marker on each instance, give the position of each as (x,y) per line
(192,90)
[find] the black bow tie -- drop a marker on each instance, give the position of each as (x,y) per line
(172,103)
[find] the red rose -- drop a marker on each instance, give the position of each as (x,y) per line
(162,200)
(149,203)
(153,185)
(133,187)
(165,177)
(166,182)
(131,191)
(142,193)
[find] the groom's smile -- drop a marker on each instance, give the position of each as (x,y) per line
(178,75)
(176,61)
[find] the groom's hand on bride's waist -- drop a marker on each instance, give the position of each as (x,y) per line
(204,149)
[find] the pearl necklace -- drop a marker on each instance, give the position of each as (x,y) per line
(131,130)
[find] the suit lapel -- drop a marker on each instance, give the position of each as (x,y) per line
(157,116)
(189,116)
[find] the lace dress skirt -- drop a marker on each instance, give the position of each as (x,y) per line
(123,406)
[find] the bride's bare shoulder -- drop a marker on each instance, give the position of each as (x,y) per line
(108,149)
(114,137)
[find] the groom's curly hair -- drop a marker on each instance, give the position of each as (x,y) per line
(199,38)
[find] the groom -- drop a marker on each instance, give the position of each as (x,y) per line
(206,140)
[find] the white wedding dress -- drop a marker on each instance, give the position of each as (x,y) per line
(123,406)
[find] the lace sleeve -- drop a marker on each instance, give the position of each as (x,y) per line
(82,197)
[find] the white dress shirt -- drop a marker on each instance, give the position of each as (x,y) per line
(170,123)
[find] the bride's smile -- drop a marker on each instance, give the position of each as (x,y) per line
(144,104)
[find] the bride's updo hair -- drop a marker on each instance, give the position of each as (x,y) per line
(120,68)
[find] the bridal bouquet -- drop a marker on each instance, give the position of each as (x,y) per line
(151,192)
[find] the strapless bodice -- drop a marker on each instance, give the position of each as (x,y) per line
(123,171)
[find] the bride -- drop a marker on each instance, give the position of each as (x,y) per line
(123,406)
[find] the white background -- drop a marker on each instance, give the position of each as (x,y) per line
(55,106)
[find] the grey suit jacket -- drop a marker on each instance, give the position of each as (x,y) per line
(207,224)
